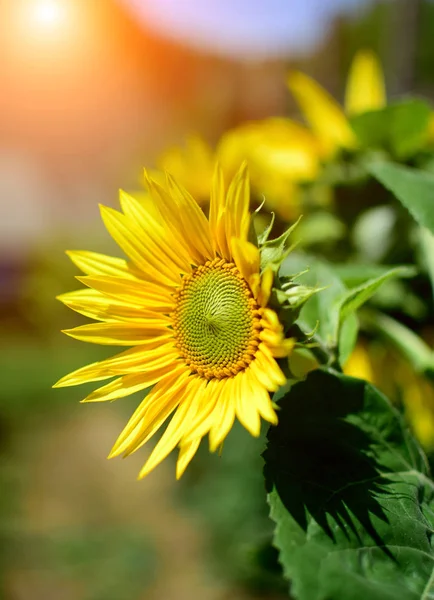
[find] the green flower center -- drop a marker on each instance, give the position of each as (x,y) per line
(216,320)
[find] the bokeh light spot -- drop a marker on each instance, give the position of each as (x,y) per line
(48,13)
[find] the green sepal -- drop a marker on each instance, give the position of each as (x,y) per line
(274,252)
(253,236)
(264,235)
(289,299)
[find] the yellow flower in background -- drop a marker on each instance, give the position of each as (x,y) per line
(280,153)
(359,364)
(192,165)
(430,132)
(324,115)
(192,303)
(395,377)
(418,398)
(365,91)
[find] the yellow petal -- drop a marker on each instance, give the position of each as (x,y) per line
(155,352)
(238,199)
(186,453)
(246,410)
(95,305)
(151,414)
(129,238)
(246,257)
(143,294)
(119,388)
(322,112)
(266,370)
(204,417)
(129,384)
(158,240)
(267,280)
(216,213)
(260,398)
(174,431)
(224,414)
(144,198)
(120,334)
(93,263)
(188,389)
(196,226)
(365,85)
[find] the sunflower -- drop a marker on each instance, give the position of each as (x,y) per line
(191,302)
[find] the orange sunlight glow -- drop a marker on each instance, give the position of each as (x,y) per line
(48,31)
(48,13)
(45,22)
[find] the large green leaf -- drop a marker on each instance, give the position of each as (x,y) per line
(350,493)
(413,188)
(399,128)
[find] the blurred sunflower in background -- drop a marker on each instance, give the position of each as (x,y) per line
(192,165)
(192,303)
(328,121)
(281,154)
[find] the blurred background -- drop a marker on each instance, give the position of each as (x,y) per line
(92,91)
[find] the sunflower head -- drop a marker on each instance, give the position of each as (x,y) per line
(192,302)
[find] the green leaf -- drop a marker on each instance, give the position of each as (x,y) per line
(350,494)
(399,128)
(357,296)
(330,312)
(408,122)
(426,245)
(353,274)
(352,300)
(413,188)
(347,338)
(321,311)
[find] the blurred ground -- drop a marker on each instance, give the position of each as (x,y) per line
(69,489)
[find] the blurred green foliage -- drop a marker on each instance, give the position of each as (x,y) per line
(227,492)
